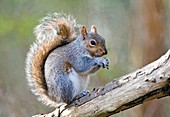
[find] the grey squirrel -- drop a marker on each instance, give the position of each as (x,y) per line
(61,56)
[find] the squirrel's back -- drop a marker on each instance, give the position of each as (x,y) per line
(53,31)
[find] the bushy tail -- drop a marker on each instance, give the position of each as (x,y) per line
(53,31)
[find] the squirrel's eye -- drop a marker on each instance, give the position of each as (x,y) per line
(92,42)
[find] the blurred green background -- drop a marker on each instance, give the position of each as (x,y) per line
(136,31)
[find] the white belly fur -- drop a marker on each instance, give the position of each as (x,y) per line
(77,82)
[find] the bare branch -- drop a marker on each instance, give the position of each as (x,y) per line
(148,83)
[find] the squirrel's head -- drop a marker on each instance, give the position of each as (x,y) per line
(93,41)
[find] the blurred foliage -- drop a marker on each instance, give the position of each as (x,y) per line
(19,17)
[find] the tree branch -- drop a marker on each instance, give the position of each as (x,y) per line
(148,83)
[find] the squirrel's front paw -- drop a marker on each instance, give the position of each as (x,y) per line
(104,63)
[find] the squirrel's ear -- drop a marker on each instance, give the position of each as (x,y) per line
(83,31)
(93,29)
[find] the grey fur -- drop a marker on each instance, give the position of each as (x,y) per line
(43,36)
(62,87)
(83,64)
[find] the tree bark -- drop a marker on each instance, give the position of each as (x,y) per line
(148,83)
(147,43)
